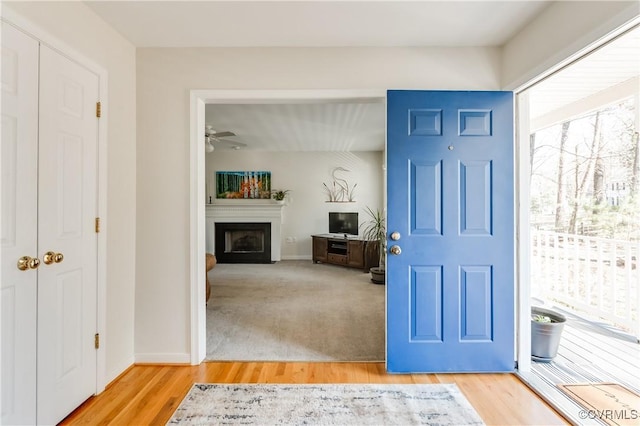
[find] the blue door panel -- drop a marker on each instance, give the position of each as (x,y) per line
(426,309)
(425,122)
(475,198)
(476,311)
(425,212)
(450,192)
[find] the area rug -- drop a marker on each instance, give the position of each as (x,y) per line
(610,403)
(320,404)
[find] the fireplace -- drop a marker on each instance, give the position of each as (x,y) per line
(244,211)
(243,242)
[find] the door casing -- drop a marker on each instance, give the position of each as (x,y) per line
(198,100)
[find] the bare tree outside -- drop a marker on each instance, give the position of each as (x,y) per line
(560,176)
(584,174)
(584,213)
(636,164)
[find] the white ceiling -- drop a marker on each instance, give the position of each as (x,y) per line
(317,23)
(301,127)
(612,64)
(354,126)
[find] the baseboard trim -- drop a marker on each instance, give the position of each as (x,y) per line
(120,369)
(297,257)
(163,358)
(115,374)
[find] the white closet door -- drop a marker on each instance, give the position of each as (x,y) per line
(19,225)
(67,206)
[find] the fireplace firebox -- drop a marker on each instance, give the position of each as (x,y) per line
(243,242)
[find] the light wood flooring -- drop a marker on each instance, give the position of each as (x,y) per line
(149,394)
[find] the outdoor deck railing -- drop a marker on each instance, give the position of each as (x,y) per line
(597,276)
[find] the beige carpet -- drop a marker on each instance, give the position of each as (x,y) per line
(294,311)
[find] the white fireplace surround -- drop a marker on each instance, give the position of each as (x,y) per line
(245,211)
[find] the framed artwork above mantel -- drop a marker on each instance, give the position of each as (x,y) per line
(248,185)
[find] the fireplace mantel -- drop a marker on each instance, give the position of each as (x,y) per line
(246,211)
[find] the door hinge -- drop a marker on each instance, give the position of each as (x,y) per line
(96,340)
(97,225)
(98,109)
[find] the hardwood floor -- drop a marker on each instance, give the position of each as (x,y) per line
(149,394)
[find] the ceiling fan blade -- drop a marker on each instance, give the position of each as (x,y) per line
(222,134)
(232,144)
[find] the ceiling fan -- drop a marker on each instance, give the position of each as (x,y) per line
(211,136)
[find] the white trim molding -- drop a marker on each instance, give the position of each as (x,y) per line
(523,239)
(118,368)
(297,257)
(163,358)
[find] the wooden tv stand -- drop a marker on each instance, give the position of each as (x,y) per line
(351,251)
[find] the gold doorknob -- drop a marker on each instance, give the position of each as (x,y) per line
(27,262)
(34,263)
(48,257)
(23,263)
(51,257)
(395,250)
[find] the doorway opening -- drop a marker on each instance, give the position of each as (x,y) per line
(583,225)
(198,105)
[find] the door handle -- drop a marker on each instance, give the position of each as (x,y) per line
(395,250)
(51,257)
(26,262)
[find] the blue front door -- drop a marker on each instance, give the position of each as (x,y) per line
(450,198)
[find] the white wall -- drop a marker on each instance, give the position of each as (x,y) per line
(305,212)
(561,31)
(78,27)
(165,77)
(153,187)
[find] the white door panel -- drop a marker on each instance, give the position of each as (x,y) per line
(67,210)
(19,225)
(49,187)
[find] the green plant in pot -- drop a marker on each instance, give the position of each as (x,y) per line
(279,194)
(375,230)
(546,331)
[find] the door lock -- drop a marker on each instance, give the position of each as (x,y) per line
(395,250)
(51,257)
(26,262)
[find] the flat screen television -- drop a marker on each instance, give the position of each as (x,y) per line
(343,223)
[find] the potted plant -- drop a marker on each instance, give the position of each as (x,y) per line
(375,230)
(546,331)
(279,194)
